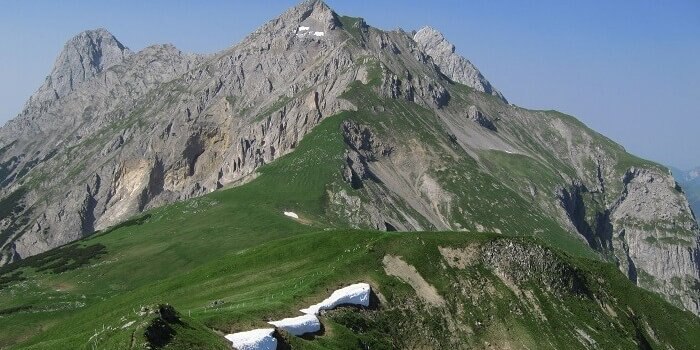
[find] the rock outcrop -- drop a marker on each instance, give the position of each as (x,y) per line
(475,114)
(519,263)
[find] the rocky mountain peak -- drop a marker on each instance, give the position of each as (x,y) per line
(450,63)
(318,11)
(83,57)
(430,38)
(314,15)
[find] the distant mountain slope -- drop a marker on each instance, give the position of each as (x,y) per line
(430,146)
(690,181)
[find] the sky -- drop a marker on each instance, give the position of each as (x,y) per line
(627,68)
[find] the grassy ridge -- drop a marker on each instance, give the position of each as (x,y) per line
(242,290)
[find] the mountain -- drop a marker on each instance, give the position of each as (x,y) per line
(173,172)
(690,182)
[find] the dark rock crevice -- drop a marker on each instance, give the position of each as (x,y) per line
(87,216)
(389,227)
(194,149)
(588,216)
(631,267)
(156,183)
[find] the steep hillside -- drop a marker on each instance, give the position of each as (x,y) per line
(183,275)
(428,145)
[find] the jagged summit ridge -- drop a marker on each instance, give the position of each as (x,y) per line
(452,64)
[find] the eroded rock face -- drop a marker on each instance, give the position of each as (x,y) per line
(424,91)
(364,148)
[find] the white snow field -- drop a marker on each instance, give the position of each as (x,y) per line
(291,214)
(355,294)
(257,339)
(262,339)
(299,325)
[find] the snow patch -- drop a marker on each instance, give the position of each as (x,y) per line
(291,214)
(299,325)
(263,339)
(355,294)
(128,324)
(319,33)
(257,339)
(302,28)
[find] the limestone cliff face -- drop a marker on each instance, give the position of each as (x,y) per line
(655,237)
(112,133)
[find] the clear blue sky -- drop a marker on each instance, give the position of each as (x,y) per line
(629,69)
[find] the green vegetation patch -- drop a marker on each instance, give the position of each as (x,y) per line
(57,260)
